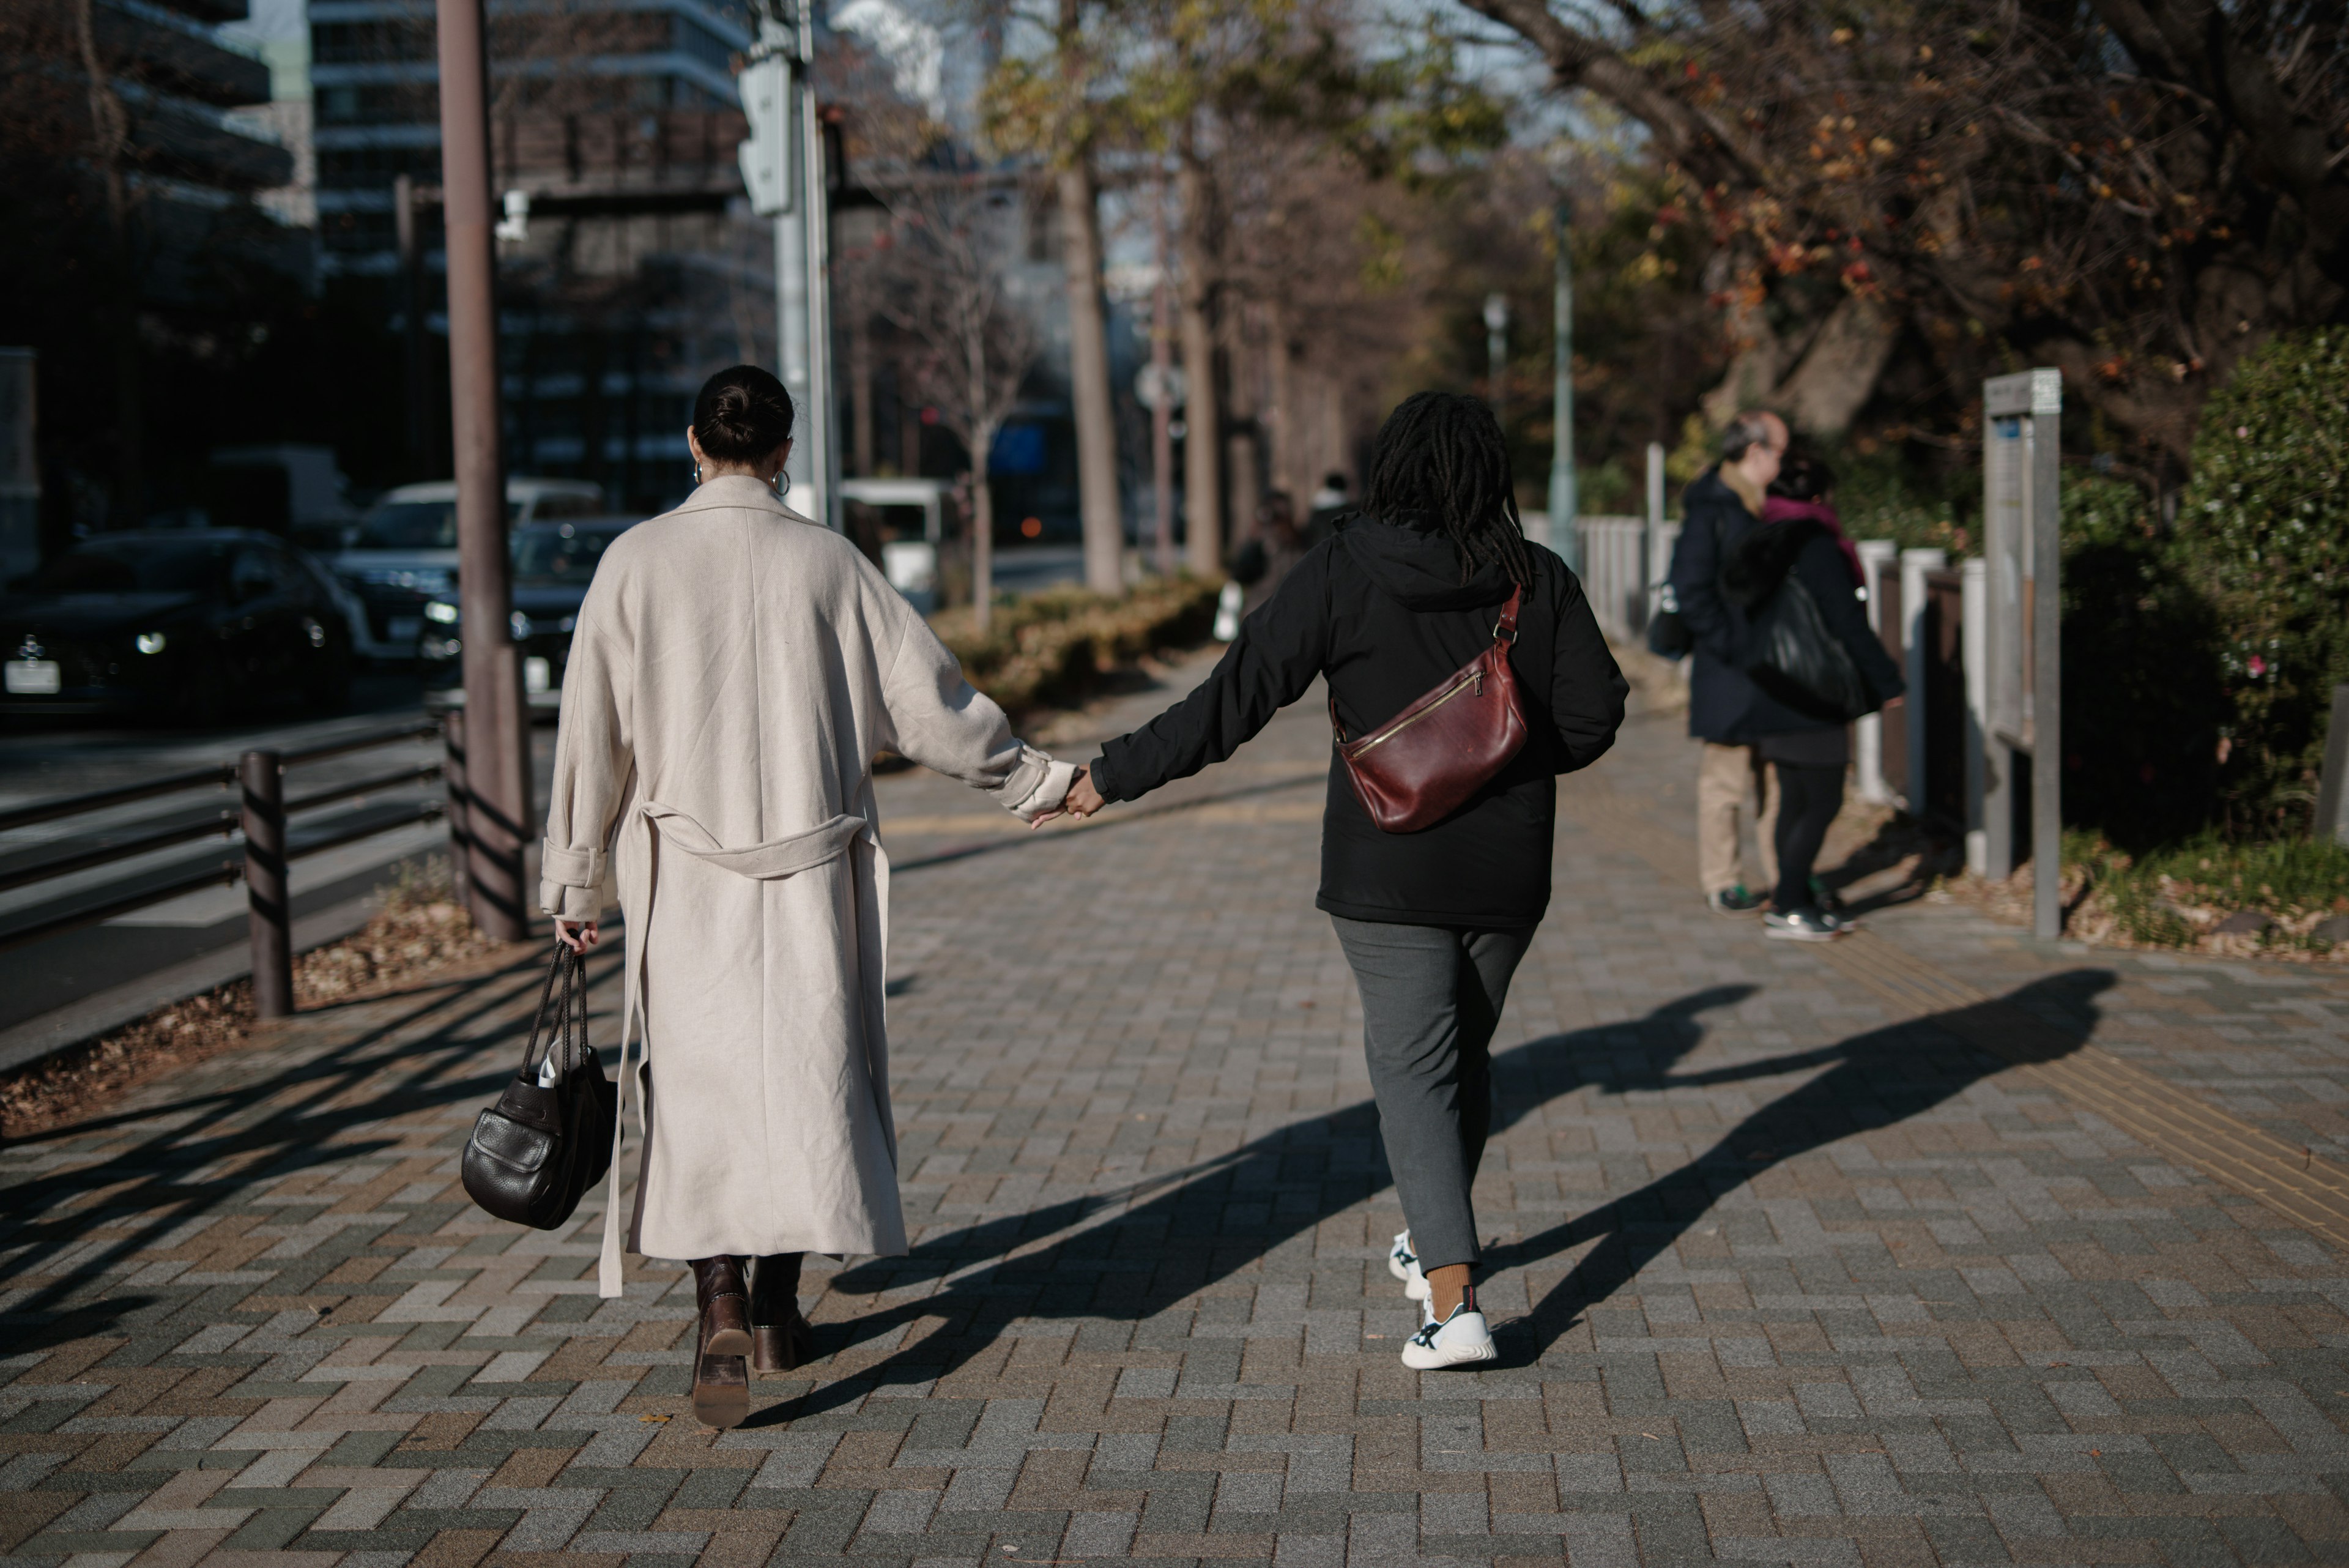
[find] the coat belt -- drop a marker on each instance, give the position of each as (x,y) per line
(777,857)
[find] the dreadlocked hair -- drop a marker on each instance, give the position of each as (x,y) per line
(1441,456)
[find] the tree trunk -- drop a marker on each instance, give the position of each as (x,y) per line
(860,375)
(982,535)
(1839,371)
(1203,481)
(1089,389)
(1285,462)
(1243,446)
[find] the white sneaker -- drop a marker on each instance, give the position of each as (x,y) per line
(1461,1340)
(1403,1264)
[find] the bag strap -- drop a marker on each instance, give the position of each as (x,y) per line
(1509,621)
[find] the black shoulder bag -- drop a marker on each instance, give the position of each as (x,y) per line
(535,1153)
(1791,653)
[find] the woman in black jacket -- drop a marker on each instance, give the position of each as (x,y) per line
(1433,922)
(1802,540)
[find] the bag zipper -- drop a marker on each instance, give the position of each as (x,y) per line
(1474,677)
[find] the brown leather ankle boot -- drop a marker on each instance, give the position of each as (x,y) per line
(781,1339)
(725,1305)
(721,1377)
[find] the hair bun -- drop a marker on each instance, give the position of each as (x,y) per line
(742,415)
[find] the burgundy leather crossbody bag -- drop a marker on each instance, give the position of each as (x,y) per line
(1425,762)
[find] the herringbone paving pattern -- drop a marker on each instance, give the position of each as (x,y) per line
(1785,1274)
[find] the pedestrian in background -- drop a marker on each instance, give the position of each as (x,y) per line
(1331,501)
(735,670)
(1733,778)
(1433,922)
(1801,537)
(1278,544)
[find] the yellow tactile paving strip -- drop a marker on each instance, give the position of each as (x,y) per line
(2306,1187)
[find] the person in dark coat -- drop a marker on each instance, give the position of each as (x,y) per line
(1432,922)
(1802,540)
(1717,509)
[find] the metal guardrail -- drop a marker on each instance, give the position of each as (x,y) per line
(272,842)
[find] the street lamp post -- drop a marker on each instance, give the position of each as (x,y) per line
(1565,533)
(783,170)
(1496,354)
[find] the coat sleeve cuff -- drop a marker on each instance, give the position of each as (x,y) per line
(1037,785)
(568,903)
(571,882)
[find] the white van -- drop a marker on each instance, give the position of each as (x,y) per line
(403,553)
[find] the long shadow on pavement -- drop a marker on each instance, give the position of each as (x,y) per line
(1096,1257)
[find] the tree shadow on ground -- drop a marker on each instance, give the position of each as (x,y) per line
(190,1157)
(1134,1254)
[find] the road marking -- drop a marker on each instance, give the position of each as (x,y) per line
(2306,1188)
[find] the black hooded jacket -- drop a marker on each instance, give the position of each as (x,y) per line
(1381,611)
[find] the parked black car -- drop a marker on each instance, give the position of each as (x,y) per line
(186,623)
(553,564)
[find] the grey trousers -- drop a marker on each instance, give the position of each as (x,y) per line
(1432,998)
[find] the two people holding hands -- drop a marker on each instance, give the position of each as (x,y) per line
(734,670)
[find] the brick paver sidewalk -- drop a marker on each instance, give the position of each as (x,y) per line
(1786,1271)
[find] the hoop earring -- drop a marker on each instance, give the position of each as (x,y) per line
(696,473)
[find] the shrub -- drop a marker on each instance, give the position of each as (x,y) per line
(2176,897)
(2142,701)
(2265,528)
(1049,647)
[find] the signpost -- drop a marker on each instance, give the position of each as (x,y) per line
(2022,506)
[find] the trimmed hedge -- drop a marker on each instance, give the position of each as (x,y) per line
(1050,648)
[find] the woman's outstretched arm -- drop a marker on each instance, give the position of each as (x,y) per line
(1279,650)
(935,717)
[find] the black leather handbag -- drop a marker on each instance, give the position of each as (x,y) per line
(535,1153)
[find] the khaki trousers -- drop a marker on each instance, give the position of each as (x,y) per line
(1730,780)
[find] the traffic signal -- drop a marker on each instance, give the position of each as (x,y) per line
(766,153)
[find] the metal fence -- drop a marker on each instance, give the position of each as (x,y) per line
(266,829)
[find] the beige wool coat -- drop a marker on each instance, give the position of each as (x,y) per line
(734,669)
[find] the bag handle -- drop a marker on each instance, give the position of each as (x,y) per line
(565,990)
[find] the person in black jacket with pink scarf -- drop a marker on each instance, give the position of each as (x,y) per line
(1433,922)
(1801,539)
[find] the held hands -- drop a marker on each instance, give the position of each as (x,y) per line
(1082,801)
(577,935)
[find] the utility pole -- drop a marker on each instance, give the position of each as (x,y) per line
(1565,532)
(497,766)
(783,168)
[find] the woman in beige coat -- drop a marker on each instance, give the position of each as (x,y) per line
(733,672)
